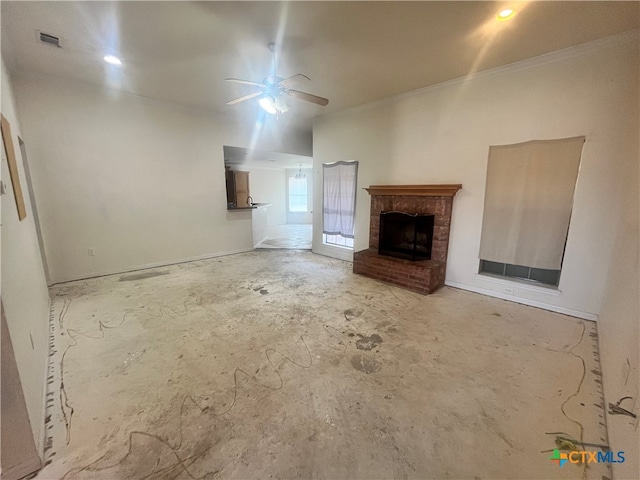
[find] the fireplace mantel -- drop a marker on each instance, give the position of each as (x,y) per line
(443,190)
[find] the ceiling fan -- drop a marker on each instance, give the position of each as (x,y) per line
(273,90)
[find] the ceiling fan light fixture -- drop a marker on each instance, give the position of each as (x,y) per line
(274,105)
(268,105)
(281,105)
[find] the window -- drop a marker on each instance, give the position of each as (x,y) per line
(339,203)
(527,208)
(337,241)
(297,194)
(520,272)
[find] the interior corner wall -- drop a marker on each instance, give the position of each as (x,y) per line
(24,288)
(138,181)
(442,134)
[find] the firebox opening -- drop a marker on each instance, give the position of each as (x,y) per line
(406,235)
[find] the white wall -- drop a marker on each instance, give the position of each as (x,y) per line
(24,289)
(300,217)
(619,321)
(260,224)
(442,134)
(268,185)
(139,181)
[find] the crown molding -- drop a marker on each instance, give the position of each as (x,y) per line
(546,58)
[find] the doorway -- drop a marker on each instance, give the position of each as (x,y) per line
(34,208)
(284,182)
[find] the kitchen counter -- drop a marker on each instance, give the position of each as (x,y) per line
(252,207)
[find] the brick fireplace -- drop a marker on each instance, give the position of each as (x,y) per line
(422,276)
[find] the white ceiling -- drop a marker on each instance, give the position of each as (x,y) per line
(354,52)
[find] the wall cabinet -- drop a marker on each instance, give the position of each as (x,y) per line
(237,189)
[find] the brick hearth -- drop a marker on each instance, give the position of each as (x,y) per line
(423,276)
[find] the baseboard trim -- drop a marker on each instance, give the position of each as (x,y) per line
(154,265)
(334,252)
(42,440)
(525,301)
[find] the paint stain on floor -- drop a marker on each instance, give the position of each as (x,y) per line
(365,364)
(368,343)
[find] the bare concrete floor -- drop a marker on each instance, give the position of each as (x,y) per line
(283,364)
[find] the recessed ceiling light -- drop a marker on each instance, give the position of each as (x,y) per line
(506,14)
(112,60)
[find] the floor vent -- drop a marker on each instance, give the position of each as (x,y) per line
(49,39)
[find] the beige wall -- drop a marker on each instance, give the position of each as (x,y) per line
(442,134)
(619,322)
(139,181)
(24,289)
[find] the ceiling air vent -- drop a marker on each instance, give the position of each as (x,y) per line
(49,39)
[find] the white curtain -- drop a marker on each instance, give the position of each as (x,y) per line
(339,198)
(528,201)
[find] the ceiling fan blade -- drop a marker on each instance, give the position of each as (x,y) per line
(245,82)
(292,79)
(308,97)
(245,97)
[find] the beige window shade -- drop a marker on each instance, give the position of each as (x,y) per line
(528,202)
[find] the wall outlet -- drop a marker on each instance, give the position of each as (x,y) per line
(508,290)
(91,252)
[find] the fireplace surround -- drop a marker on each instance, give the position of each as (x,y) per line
(419,275)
